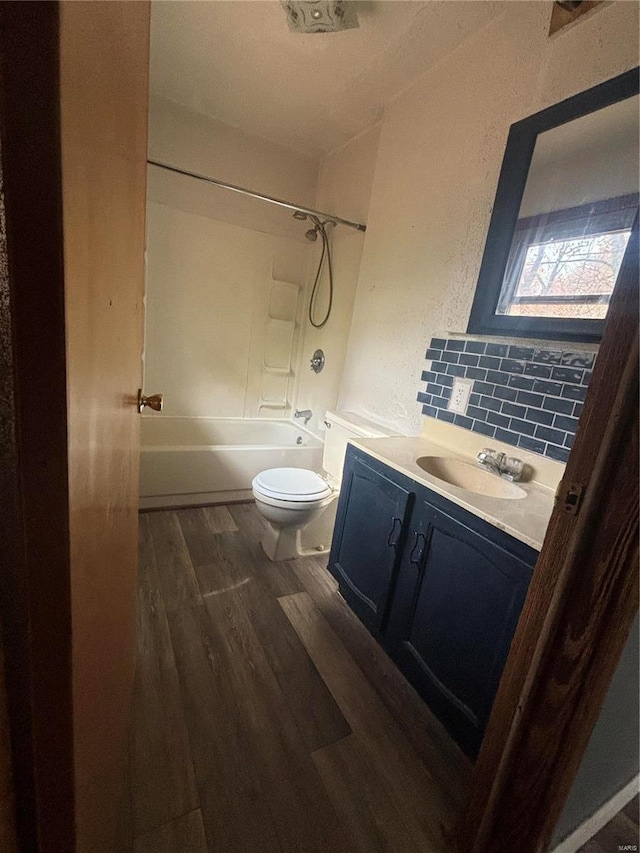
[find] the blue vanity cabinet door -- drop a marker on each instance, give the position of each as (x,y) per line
(368,536)
(456,606)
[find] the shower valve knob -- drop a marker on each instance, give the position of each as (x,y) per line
(317,361)
(154,402)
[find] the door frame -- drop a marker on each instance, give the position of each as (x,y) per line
(506,810)
(35,583)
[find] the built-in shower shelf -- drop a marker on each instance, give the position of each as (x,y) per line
(282,325)
(277,371)
(276,338)
(279,407)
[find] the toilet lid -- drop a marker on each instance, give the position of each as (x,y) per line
(292,484)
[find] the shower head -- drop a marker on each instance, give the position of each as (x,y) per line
(312,234)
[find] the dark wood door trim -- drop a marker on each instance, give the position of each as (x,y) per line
(34,575)
(577,617)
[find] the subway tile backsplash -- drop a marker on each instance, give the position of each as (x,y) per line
(528,397)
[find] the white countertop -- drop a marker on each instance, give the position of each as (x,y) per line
(525,519)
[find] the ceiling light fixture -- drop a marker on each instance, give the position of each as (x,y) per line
(320,16)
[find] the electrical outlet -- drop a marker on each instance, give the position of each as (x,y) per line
(460,394)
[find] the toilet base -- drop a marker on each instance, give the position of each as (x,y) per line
(280,544)
(312,540)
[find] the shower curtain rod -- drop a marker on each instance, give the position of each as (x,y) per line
(243,191)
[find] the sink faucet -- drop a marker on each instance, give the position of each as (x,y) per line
(304,413)
(499,463)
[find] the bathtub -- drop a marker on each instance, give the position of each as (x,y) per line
(188,461)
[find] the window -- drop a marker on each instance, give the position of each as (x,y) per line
(565,264)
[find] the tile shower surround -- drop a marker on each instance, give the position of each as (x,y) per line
(528,397)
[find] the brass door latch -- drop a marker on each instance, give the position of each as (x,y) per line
(154,402)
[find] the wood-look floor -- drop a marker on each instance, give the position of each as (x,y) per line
(621,833)
(266,718)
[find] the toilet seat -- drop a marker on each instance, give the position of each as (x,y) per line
(298,505)
(291,486)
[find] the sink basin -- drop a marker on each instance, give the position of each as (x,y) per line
(467,476)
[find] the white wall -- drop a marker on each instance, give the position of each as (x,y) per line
(212,256)
(344,189)
(197,142)
(439,156)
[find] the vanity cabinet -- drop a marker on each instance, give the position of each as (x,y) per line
(440,588)
(368,536)
(457,601)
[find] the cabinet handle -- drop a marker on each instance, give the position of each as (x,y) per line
(396,522)
(416,542)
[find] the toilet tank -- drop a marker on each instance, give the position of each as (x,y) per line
(341,426)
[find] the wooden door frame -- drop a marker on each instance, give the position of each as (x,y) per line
(518,791)
(35,592)
(581,605)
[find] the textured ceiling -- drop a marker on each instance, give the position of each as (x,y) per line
(237,61)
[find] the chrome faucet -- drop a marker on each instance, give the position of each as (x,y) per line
(505,466)
(307,414)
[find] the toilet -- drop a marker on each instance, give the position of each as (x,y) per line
(299,505)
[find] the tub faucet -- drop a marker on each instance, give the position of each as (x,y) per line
(307,414)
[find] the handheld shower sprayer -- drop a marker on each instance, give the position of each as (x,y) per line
(319,227)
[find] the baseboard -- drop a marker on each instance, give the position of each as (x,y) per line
(599,819)
(197,499)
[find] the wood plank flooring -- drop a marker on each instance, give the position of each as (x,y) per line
(185,833)
(266,718)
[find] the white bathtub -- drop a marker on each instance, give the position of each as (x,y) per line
(188,461)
